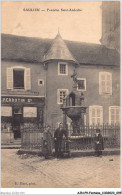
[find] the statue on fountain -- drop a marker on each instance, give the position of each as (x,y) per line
(74,76)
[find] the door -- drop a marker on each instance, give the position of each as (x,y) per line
(17,120)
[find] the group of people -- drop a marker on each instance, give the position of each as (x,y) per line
(58,137)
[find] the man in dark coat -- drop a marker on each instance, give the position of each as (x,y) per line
(47,141)
(98,143)
(58,136)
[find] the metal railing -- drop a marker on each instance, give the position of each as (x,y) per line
(31,137)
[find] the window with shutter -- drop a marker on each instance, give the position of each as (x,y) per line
(105,83)
(18,77)
(95,115)
(9,78)
(114,115)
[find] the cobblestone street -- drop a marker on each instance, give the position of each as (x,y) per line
(83,172)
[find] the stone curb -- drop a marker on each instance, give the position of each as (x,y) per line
(74,153)
(114,151)
(10,147)
(92,153)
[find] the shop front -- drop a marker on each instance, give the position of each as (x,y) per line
(18,112)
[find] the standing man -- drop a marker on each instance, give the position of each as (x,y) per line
(98,143)
(58,136)
(47,141)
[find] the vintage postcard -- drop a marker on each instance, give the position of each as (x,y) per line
(60,95)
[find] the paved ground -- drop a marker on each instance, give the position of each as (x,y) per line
(83,172)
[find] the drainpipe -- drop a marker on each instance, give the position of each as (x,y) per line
(45,94)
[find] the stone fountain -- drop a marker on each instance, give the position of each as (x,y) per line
(74,108)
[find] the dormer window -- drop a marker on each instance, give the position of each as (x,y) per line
(62,68)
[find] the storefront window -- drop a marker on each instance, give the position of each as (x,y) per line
(30,112)
(6,111)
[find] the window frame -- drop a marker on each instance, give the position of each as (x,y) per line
(110,107)
(84,79)
(100,86)
(90,114)
(59,63)
(19,69)
(58,94)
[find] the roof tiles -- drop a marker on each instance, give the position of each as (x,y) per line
(38,50)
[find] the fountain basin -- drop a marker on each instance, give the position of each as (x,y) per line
(74,111)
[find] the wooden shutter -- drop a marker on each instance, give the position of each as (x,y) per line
(101,82)
(90,115)
(27,79)
(58,96)
(105,83)
(109,83)
(9,78)
(101,115)
(118,115)
(85,119)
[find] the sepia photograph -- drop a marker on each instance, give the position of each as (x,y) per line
(60,94)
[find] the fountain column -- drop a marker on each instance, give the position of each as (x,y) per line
(64,119)
(64,114)
(82,104)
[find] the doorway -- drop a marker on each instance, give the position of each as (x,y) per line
(17,120)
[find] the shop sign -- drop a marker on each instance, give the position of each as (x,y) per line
(20,100)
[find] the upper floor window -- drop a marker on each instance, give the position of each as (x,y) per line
(105,83)
(61,94)
(114,115)
(81,86)
(95,115)
(62,68)
(18,78)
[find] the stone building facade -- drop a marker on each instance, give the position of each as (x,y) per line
(36,76)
